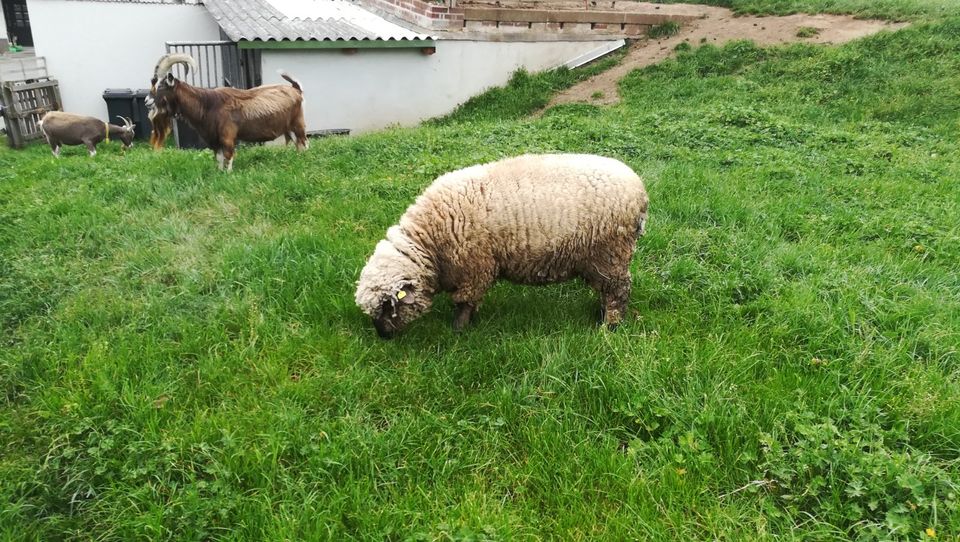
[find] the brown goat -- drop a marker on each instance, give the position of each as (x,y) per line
(68,129)
(223,116)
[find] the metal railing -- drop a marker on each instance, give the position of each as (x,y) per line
(219,63)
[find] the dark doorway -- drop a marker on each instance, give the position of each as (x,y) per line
(18,22)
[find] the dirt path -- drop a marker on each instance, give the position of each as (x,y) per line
(718,26)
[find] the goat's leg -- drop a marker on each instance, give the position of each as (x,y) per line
(300,131)
(55,149)
(219,154)
(287,138)
(91,148)
(228,152)
(228,141)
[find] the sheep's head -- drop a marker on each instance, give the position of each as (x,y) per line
(391,290)
(128,132)
(162,101)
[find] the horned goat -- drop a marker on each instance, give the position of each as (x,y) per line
(69,129)
(223,116)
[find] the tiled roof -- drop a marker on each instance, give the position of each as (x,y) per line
(322,20)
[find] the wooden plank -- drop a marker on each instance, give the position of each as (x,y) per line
(14,135)
(19,87)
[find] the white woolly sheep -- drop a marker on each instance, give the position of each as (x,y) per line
(533,219)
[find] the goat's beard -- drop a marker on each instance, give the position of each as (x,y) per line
(161,129)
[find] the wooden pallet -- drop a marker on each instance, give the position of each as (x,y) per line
(22,105)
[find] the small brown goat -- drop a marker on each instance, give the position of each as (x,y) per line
(223,116)
(68,129)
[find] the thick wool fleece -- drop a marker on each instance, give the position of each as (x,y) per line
(533,219)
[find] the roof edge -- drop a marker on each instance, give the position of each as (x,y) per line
(403,43)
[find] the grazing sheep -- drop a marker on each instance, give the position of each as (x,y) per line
(533,219)
(68,129)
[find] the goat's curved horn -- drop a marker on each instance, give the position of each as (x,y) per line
(127,123)
(168,61)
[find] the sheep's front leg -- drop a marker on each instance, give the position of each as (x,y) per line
(463,314)
(614,290)
(468,295)
(615,297)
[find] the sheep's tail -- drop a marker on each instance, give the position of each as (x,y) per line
(296,84)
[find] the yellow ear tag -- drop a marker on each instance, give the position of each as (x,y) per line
(401,294)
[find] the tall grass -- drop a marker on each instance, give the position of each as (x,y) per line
(180,357)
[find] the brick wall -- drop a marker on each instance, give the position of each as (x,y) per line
(432,15)
(441,16)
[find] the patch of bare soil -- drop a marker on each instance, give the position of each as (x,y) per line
(718,26)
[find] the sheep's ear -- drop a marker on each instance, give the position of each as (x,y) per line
(405,294)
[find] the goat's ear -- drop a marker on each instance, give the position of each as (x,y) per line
(170,80)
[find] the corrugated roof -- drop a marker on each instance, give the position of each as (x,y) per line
(181,2)
(322,20)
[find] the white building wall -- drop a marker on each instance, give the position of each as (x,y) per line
(375,88)
(3,27)
(92,46)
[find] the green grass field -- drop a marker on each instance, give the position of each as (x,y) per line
(884,9)
(181,357)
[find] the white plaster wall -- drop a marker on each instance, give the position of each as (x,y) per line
(375,88)
(3,26)
(92,46)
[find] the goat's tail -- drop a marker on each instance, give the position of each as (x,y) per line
(296,84)
(41,113)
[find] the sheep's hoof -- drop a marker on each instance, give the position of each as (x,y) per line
(610,318)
